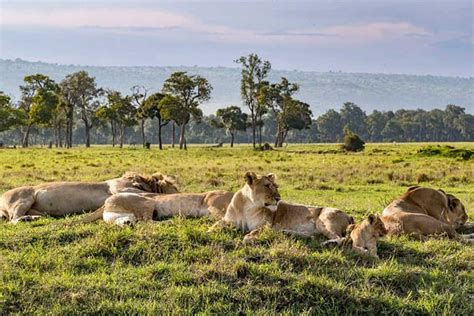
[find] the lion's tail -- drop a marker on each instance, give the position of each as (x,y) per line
(96,215)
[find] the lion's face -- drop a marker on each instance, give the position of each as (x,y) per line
(457,214)
(264,188)
(377,225)
(157,183)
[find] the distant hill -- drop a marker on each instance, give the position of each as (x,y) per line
(323,90)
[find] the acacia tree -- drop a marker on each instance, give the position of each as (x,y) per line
(80,93)
(139,96)
(120,112)
(232,119)
(151,108)
(254,71)
(9,115)
(278,98)
(39,101)
(185,93)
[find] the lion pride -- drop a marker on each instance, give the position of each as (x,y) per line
(61,198)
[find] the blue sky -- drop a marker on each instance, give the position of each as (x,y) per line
(415,37)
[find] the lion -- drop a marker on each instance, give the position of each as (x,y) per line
(422,211)
(62,198)
(364,235)
(249,208)
(308,221)
(253,207)
(128,208)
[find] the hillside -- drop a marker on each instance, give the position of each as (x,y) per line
(323,90)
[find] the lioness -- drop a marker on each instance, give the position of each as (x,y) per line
(61,198)
(425,211)
(365,234)
(309,221)
(248,209)
(128,208)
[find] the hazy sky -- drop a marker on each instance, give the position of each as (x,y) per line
(417,37)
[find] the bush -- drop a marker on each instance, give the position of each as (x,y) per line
(352,141)
(446,151)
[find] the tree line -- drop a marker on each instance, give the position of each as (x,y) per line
(59,113)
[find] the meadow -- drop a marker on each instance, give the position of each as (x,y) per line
(175,266)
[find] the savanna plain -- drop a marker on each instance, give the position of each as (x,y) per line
(175,266)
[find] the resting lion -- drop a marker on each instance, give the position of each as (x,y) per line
(425,211)
(128,208)
(310,220)
(61,198)
(248,209)
(364,235)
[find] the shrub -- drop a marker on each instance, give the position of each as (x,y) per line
(352,141)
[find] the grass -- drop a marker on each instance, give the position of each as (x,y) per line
(174,266)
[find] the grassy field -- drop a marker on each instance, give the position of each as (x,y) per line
(174,266)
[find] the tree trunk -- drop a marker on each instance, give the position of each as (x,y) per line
(160,143)
(277,139)
(182,141)
(122,135)
(283,135)
(260,135)
(174,135)
(87,130)
(253,130)
(112,127)
(142,126)
(231,139)
(26,136)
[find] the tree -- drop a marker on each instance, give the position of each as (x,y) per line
(288,112)
(139,96)
(39,100)
(232,119)
(375,124)
(354,119)
(185,95)
(296,115)
(80,92)
(392,131)
(152,109)
(254,71)
(121,113)
(9,116)
(330,126)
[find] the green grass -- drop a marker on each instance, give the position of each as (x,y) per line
(174,266)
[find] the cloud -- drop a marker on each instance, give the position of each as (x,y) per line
(155,22)
(93,17)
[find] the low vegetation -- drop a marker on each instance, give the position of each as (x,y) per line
(175,266)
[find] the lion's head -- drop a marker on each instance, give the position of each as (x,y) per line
(372,225)
(456,213)
(264,189)
(377,225)
(157,183)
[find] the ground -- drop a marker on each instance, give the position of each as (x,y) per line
(175,266)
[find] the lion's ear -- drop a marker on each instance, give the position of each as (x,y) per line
(453,202)
(272,177)
(250,177)
(157,176)
(371,218)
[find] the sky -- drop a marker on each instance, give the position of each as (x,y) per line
(402,36)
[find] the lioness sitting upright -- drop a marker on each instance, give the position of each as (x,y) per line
(128,208)
(248,209)
(425,211)
(61,198)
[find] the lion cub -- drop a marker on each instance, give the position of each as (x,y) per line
(365,234)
